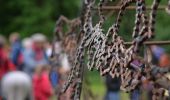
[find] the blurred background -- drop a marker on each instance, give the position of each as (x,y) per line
(30,16)
(24,23)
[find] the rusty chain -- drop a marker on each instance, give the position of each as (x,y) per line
(107,52)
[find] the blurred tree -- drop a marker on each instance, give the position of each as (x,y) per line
(31,16)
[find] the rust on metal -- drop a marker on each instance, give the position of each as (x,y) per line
(162,7)
(152,43)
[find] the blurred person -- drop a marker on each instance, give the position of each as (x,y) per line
(62,57)
(58,47)
(36,54)
(16,50)
(157,53)
(136,93)
(164,60)
(6,64)
(48,47)
(65,63)
(54,76)
(113,88)
(63,74)
(27,43)
(60,64)
(60,68)
(27,46)
(17,86)
(41,83)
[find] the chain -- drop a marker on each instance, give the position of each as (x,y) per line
(153,17)
(139,11)
(75,71)
(107,52)
(68,40)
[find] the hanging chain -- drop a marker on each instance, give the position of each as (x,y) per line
(107,52)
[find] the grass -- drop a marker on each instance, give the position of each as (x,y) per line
(97,85)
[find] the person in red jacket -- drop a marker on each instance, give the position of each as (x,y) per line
(6,64)
(41,83)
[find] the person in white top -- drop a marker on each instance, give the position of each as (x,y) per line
(17,86)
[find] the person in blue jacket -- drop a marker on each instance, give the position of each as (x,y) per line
(16,50)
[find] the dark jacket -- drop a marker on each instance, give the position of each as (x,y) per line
(113,84)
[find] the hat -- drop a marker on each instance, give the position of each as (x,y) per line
(38,37)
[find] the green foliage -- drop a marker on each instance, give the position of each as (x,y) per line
(31,16)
